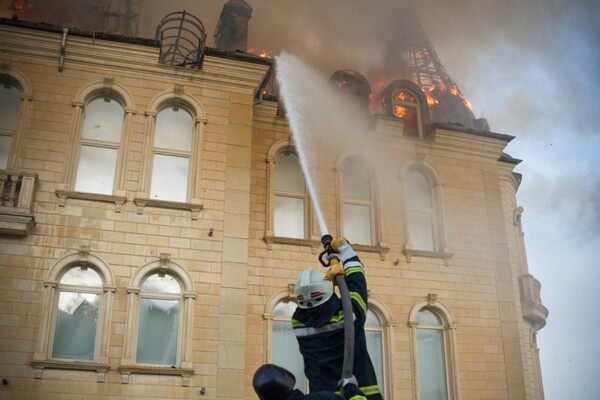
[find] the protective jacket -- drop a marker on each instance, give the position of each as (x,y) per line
(351,393)
(320,334)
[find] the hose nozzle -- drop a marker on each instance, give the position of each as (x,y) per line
(326,240)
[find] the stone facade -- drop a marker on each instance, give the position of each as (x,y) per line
(216,242)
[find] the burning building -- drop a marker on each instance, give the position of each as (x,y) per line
(154,219)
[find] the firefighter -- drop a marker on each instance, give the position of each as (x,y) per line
(272,382)
(318,324)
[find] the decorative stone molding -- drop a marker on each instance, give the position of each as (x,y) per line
(63,195)
(17,190)
(531,302)
(193,207)
(127,370)
(445,254)
(40,365)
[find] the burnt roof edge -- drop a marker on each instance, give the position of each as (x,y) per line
(470,131)
(42,26)
(234,55)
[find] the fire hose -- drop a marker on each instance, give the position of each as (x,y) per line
(332,259)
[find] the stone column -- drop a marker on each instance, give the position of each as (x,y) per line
(233,294)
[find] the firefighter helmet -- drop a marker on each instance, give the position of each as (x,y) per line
(313,288)
(272,382)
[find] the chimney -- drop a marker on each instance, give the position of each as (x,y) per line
(231,33)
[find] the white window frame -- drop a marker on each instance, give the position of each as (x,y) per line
(449,327)
(103,88)
(177,98)
(378,244)
(42,358)
(309,237)
(184,366)
(436,211)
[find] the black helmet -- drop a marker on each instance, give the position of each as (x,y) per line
(271,382)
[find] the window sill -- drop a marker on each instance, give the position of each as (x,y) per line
(381,248)
(40,365)
(410,253)
(194,207)
(63,195)
(271,239)
(127,370)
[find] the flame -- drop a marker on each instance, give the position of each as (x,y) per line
(262,53)
(400,111)
(20,5)
(404,96)
(454,90)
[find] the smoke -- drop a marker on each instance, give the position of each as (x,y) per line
(529,67)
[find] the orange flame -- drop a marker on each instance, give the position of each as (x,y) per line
(262,53)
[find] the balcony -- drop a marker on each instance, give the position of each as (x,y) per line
(16,204)
(531,302)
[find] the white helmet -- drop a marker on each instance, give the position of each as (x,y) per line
(313,288)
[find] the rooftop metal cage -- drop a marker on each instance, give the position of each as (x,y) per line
(182,40)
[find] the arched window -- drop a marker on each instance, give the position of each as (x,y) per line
(100,142)
(358,206)
(10,105)
(159,320)
(431,350)
(78,309)
(405,107)
(406,101)
(424,221)
(15,96)
(158,332)
(290,196)
(172,154)
(75,324)
(375,345)
(434,363)
(284,346)
(420,211)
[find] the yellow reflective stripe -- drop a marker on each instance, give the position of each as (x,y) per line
(369,390)
(352,270)
(297,324)
(358,397)
(358,298)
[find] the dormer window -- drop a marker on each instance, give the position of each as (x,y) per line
(404,100)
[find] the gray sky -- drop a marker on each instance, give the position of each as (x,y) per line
(532,69)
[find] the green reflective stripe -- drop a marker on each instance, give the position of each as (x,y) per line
(358,397)
(338,317)
(358,298)
(369,390)
(297,324)
(352,270)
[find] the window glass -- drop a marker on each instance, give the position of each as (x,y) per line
(420,226)
(289,217)
(78,276)
(288,174)
(418,190)
(357,223)
(96,171)
(103,120)
(10,103)
(76,324)
(285,350)
(432,364)
(158,331)
(161,284)
(357,182)
(169,178)
(428,317)
(374,336)
(285,309)
(174,129)
(5,142)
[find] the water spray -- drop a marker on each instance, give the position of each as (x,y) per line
(287,76)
